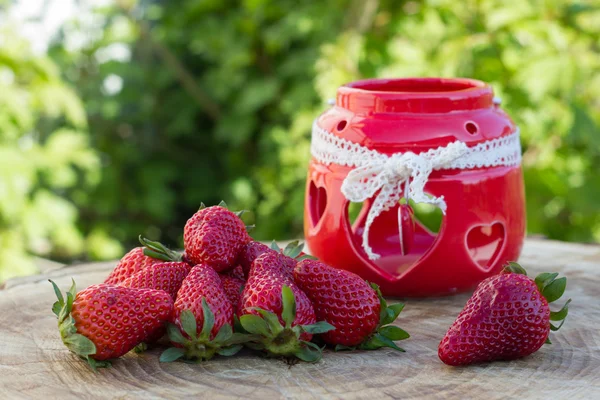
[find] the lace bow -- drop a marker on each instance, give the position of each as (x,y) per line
(389,175)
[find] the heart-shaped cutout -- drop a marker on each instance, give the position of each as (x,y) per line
(317,197)
(484,243)
(397,235)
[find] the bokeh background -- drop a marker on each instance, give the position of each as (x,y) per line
(117,118)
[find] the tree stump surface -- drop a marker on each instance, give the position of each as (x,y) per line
(35,364)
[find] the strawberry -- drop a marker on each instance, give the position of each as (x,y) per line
(106,321)
(166,276)
(292,253)
(507,317)
(356,309)
(186,259)
(269,273)
(237,272)
(131,263)
(139,258)
(293,250)
(233,288)
(251,251)
(273,307)
(214,236)
(202,319)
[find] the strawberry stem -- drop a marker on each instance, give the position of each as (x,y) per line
(159,251)
(199,347)
(278,340)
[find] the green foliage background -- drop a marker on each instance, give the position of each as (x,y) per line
(214,100)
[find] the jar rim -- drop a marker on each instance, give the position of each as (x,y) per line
(415,95)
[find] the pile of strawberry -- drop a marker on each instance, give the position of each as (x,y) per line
(224,292)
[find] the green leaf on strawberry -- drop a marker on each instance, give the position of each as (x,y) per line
(292,250)
(75,342)
(515,268)
(288,312)
(318,327)
(561,314)
(283,340)
(172,354)
(198,347)
(175,335)
(555,289)
(544,278)
(393,332)
(392,313)
(159,251)
(188,322)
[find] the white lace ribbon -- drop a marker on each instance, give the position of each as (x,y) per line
(373,171)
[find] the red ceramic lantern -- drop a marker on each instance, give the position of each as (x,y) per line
(440,141)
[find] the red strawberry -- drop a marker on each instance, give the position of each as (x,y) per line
(233,288)
(140,258)
(166,276)
(269,273)
(507,317)
(202,318)
(214,236)
(237,272)
(106,321)
(250,252)
(288,319)
(292,253)
(351,305)
(203,282)
(131,263)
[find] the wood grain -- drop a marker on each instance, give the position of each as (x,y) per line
(35,364)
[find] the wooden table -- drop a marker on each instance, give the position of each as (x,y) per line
(35,364)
